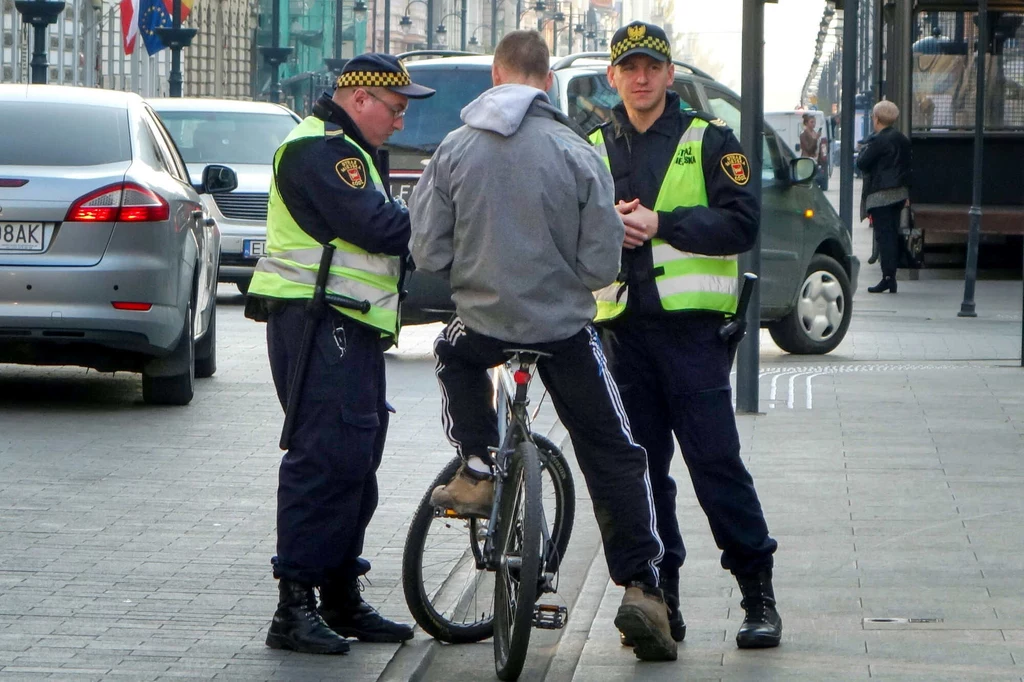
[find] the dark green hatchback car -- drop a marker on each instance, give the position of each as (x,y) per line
(808,270)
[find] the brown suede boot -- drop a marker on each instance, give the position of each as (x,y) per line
(643,620)
(468,494)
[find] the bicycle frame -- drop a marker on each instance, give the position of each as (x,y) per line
(512,389)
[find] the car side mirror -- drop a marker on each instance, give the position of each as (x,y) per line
(218,180)
(802,170)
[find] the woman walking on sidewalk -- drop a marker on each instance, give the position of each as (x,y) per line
(885,162)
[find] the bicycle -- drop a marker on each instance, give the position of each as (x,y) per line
(485,584)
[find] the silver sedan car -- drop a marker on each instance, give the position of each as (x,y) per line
(243,135)
(107,258)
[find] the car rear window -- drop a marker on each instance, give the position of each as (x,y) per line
(62,134)
(429,120)
(227,136)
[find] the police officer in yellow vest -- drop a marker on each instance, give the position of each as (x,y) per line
(681,189)
(330,187)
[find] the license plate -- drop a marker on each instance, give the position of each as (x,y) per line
(401,190)
(254,248)
(21,236)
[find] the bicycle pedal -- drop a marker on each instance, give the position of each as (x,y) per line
(550,616)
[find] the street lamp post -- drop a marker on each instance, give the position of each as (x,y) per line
(176,38)
(275,55)
(442,30)
(405,23)
(39,14)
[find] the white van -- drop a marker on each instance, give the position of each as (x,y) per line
(789,125)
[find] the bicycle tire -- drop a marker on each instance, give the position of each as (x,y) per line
(438,623)
(564,488)
(434,620)
(516,581)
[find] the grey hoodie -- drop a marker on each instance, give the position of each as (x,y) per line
(520,209)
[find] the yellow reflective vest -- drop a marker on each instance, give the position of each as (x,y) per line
(684,280)
(289,269)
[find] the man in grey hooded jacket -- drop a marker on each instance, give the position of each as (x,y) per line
(518,208)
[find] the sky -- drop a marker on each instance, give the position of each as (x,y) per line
(790,29)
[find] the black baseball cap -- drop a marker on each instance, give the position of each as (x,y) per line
(639,37)
(378,70)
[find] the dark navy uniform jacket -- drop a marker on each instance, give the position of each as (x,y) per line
(325,205)
(729,223)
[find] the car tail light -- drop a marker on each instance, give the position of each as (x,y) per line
(131,305)
(13,182)
(124,202)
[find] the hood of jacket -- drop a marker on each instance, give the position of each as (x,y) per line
(502,109)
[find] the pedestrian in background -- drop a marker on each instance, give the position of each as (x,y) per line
(681,181)
(330,187)
(885,161)
(525,252)
(809,138)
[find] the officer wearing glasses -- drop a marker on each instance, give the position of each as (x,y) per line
(330,186)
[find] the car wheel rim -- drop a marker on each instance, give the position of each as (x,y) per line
(821,306)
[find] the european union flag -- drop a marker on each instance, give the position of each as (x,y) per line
(152,15)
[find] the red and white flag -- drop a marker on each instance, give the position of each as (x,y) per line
(129,24)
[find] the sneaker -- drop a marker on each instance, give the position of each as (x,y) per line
(643,620)
(676,624)
(468,494)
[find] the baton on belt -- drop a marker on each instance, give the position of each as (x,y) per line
(735,328)
(315,310)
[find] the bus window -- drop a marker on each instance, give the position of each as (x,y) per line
(945,71)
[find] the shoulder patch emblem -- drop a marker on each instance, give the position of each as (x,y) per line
(334,133)
(719,122)
(352,172)
(737,168)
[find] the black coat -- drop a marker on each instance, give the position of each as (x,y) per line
(885,160)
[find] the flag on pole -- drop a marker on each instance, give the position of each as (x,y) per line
(153,14)
(156,13)
(129,24)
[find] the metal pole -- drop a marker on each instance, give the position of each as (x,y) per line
(846,111)
(275,55)
(971,274)
(751,131)
(430,24)
(462,25)
(494,25)
(39,14)
(175,78)
(519,14)
(387,26)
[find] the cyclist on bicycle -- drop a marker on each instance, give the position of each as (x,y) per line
(524,251)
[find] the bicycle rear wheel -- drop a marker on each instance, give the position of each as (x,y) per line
(519,559)
(447,594)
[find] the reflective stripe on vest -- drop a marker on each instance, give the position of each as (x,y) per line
(290,267)
(684,280)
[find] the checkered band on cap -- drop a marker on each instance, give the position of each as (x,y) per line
(373,79)
(651,42)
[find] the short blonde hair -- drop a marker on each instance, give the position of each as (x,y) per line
(886,112)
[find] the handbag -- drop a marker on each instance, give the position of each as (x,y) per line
(911,239)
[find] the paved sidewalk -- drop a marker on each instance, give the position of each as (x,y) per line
(891,474)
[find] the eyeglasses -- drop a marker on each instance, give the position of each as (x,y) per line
(396,111)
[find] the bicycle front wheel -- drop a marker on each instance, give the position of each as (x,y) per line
(519,557)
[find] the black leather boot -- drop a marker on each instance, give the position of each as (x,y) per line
(888,283)
(344,610)
(762,625)
(297,625)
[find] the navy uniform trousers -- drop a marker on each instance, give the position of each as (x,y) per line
(673,375)
(327,485)
(587,403)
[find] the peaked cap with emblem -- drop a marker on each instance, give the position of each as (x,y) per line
(640,38)
(378,70)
